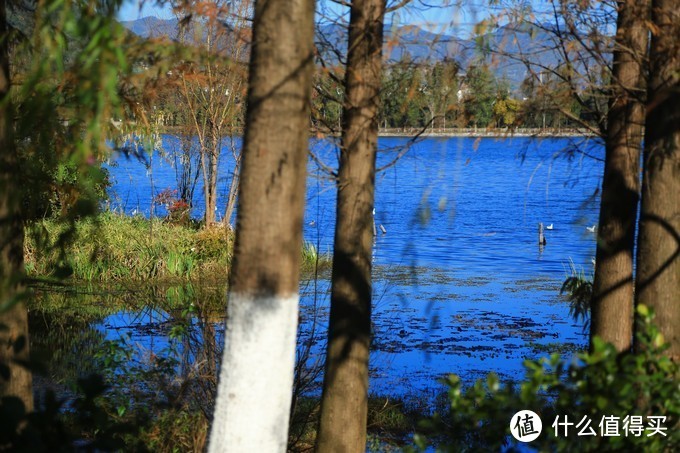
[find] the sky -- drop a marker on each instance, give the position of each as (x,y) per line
(131,10)
(442,16)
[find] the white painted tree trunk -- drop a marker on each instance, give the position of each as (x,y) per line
(256,381)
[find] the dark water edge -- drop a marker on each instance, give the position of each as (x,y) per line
(427,323)
(157,343)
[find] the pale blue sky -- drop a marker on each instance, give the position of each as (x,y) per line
(452,17)
(130,10)
(439,15)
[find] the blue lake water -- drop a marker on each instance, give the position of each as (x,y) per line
(460,282)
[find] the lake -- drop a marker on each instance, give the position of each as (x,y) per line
(460,282)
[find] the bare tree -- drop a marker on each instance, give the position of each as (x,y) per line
(213,87)
(564,47)
(657,283)
(344,402)
(255,388)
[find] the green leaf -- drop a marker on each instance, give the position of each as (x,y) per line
(643,310)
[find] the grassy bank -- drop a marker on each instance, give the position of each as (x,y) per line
(114,247)
(390,425)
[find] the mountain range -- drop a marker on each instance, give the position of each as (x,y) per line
(420,45)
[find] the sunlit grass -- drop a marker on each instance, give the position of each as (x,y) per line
(113,247)
(312,260)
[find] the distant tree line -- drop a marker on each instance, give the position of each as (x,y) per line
(417,95)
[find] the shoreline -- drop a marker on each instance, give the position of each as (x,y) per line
(487,132)
(454,132)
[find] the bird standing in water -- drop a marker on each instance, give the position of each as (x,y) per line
(541,236)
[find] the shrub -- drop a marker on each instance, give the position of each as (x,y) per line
(592,386)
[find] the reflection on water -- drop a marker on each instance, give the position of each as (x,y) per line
(423,328)
(460,283)
(154,344)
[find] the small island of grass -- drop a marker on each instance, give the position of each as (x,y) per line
(113,247)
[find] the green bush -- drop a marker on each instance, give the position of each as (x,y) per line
(589,387)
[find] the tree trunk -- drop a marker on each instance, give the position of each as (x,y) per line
(210,186)
(658,264)
(256,379)
(14,320)
(612,301)
(345,392)
(232,196)
(209,214)
(214,160)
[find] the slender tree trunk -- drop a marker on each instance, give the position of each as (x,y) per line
(213,184)
(345,393)
(658,264)
(233,192)
(209,160)
(209,215)
(14,320)
(612,301)
(256,380)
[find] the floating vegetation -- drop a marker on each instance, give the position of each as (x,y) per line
(557,347)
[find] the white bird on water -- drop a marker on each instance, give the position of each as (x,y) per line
(549,227)
(592,229)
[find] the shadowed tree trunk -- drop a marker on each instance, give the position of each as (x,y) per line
(658,264)
(256,379)
(233,192)
(612,301)
(14,320)
(345,393)
(210,183)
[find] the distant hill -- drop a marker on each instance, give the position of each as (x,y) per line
(152,27)
(418,44)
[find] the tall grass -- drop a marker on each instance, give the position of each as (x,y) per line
(312,260)
(114,247)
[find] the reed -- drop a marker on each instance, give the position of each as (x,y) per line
(312,261)
(578,288)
